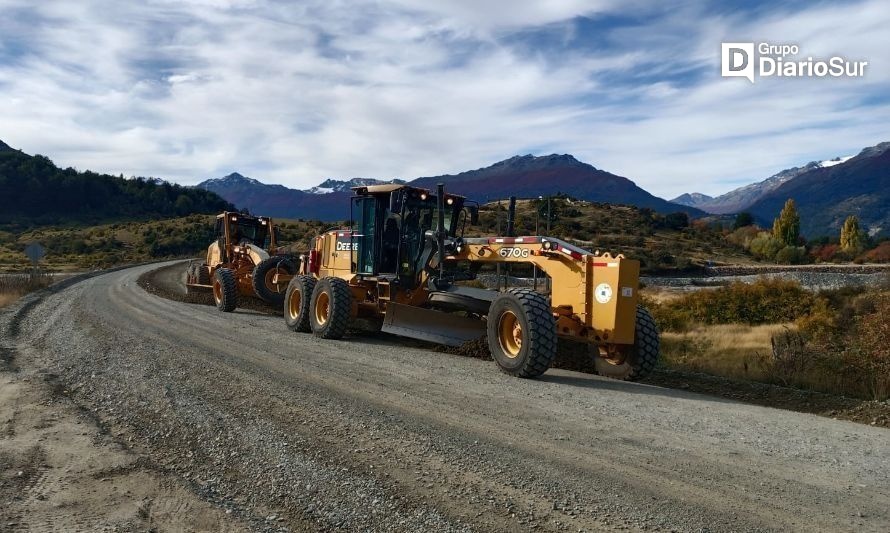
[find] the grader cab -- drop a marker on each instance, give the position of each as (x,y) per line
(404,262)
(244,260)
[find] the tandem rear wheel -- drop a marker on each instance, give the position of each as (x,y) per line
(634,362)
(330,308)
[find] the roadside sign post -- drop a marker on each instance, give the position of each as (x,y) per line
(35,252)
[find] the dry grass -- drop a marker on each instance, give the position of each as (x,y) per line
(14,286)
(661,295)
(6,299)
(732,350)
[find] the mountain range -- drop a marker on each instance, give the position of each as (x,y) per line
(523,176)
(826,193)
(738,200)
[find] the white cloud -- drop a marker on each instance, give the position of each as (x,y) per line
(297,93)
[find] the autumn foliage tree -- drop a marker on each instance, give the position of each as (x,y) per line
(852,239)
(786,227)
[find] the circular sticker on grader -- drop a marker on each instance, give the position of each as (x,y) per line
(603,293)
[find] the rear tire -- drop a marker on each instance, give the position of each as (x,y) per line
(331,308)
(262,279)
(298,303)
(642,356)
(225,290)
(522,333)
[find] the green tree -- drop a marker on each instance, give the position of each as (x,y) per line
(852,239)
(742,220)
(786,228)
(183,205)
(678,220)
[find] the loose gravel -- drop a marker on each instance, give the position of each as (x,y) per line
(292,433)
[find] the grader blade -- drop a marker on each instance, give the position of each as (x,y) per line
(430,325)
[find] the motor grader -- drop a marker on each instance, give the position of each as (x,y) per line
(244,260)
(402,263)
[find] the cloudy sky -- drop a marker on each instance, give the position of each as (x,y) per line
(295,92)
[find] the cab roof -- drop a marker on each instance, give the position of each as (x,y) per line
(245,216)
(390,187)
(379,189)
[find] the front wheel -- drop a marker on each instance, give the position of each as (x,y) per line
(225,290)
(298,303)
(634,362)
(264,276)
(331,308)
(522,333)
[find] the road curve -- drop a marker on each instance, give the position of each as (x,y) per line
(290,432)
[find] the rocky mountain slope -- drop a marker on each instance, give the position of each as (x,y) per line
(693,199)
(826,195)
(740,199)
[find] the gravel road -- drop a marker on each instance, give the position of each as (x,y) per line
(283,431)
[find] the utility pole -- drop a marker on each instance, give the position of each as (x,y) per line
(548,215)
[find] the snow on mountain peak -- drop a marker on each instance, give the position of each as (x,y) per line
(835,161)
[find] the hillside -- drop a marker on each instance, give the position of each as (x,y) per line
(826,195)
(37,192)
(659,242)
(523,176)
(107,245)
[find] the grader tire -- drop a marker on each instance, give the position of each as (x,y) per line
(298,303)
(522,333)
(642,357)
(225,290)
(202,274)
(331,308)
(262,279)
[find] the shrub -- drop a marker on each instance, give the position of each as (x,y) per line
(792,255)
(869,348)
(743,236)
(825,252)
(843,346)
(762,302)
(878,254)
(765,246)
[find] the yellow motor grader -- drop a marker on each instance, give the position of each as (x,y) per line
(244,260)
(402,263)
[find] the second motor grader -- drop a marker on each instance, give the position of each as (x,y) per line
(244,260)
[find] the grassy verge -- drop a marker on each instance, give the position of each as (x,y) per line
(775,332)
(729,350)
